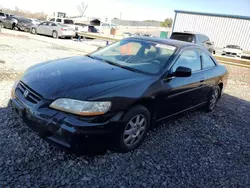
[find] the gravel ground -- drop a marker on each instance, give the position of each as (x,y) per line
(195,150)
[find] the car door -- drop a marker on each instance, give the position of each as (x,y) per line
(50,27)
(7,22)
(182,93)
(210,73)
(41,29)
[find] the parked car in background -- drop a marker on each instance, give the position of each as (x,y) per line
(196,38)
(64,21)
(16,22)
(116,94)
(56,30)
(23,24)
(126,34)
(147,35)
(232,50)
(9,22)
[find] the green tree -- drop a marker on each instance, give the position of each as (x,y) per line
(167,22)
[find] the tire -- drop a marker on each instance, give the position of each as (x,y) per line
(54,34)
(33,31)
(213,99)
(13,26)
(134,130)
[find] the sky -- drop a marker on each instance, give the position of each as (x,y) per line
(132,9)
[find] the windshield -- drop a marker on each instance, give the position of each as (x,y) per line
(68,21)
(182,37)
(233,46)
(137,55)
(23,20)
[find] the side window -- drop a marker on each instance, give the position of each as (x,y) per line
(52,20)
(203,38)
(44,23)
(207,61)
(58,20)
(53,24)
(189,59)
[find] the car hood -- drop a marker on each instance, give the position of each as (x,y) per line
(77,77)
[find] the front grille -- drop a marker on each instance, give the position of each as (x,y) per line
(28,94)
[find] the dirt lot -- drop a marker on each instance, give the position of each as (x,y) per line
(195,150)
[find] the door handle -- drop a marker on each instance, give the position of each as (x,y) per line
(202,79)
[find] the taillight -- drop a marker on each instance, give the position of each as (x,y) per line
(63,29)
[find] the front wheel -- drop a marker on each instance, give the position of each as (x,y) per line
(213,99)
(134,130)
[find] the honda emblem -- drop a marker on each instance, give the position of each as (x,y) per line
(26,93)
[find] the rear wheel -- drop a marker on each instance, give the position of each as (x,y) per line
(33,31)
(213,99)
(134,130)
(54,35)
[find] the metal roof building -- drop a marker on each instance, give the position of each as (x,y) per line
(221,28)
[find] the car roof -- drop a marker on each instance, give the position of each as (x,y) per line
(176,43)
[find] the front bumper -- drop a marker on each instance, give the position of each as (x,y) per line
(66,130)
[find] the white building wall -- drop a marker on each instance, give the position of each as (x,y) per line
(221,30)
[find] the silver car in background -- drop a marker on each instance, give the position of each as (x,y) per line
(56,30)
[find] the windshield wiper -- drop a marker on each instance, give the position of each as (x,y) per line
(121,66)
(112,63)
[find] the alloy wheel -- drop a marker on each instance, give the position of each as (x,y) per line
(33,31)
(214,99)
(54,34)
(134,130)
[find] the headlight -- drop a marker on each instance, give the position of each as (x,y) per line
(84,108)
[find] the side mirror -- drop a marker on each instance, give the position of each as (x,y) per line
(182,72)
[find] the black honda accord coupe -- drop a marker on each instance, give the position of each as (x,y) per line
(117,93)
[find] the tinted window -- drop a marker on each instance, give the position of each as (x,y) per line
(52,20)
(44,23)
(183,37)
(68,21)
(207,61)
(58,20)
(189,59)
(23,20)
